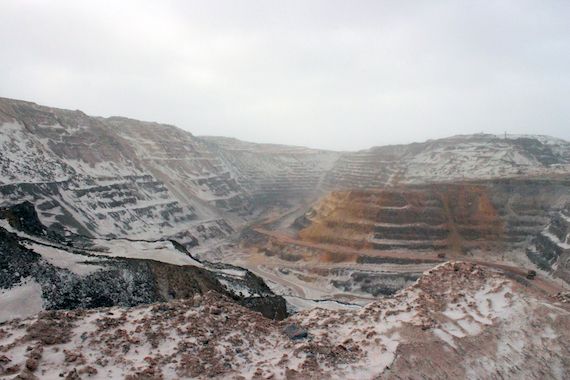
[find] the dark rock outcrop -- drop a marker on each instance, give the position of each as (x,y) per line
(118,281)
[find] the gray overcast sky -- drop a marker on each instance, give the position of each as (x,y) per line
(328,74)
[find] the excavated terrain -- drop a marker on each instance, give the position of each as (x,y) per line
(456,218)
(551,249)
(123,245)
(456,158)
(118,177)
(114,177)
(374,242)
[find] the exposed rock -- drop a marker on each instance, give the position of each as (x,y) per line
(117,281)
(107,214)
(295,332)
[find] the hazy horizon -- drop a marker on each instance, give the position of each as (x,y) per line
(322,74)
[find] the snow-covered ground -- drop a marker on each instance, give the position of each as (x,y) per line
(472,322)
(163,251)
(61,258)
(21,301)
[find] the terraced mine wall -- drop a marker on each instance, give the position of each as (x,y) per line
(385,238)
(457,158)
(118,177)
(455,218)
(275,174)
(115,177)
(162,180)
(551,247)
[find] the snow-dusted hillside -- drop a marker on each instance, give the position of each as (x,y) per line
(123,177)
(488,156)
(105,214)
(85,177)
(274,173)
(455,158)
(458,321)
(280,172)
(40,270)
(120,177)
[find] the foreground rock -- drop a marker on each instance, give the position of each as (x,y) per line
(40,269)
(459,320)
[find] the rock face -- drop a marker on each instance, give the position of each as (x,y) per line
(452,217)
(286,171)
(113,177)
(551,249)
(450,159)
(275,173)
(24,217)
(369,243)
(63,276)
(108,215)
(472,322)
(117,177)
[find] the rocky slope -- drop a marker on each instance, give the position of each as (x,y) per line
(109,177)
(458,321)
(551,248)
(459,217)
(118,177)
(480,156)
(99,177)
(480,219)
(121,178)
(275,173)
(109,214)
(353,246)
(41,270)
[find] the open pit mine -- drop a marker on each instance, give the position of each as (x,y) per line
(136,250)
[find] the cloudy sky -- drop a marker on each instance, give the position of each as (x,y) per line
(329,74)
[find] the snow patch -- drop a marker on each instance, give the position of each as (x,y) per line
(163,251)
(21,301)
(64,259)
